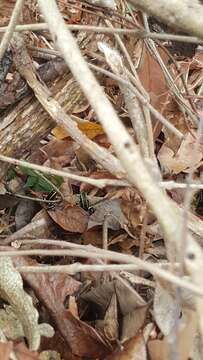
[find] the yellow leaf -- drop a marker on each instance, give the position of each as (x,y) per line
(91,129)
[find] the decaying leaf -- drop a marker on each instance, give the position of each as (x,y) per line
(11,290)
(70,217)
(152,77)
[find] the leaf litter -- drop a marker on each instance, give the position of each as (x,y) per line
(104,315)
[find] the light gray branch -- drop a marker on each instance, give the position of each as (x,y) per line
(185,15)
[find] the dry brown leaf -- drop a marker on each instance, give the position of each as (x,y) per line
(132,307)
(91,129)
(93,237)
(56,151)
(52,289)
(110,209)
(133,322)
(185,157)
(70,217)
(152,78)
(133,349)
(83,339)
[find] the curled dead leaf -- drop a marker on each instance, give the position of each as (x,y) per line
(70,217)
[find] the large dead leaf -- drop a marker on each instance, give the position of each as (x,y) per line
(70,217)
(83,339)
(91,129)
(132,307)
(52,289)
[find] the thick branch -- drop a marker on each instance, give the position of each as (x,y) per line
(185,15)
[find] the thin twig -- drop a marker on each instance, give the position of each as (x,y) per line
(11,27)
(142,34)
(100,183)
(176,185)
(113,256)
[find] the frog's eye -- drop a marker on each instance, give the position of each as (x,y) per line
(91,210)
